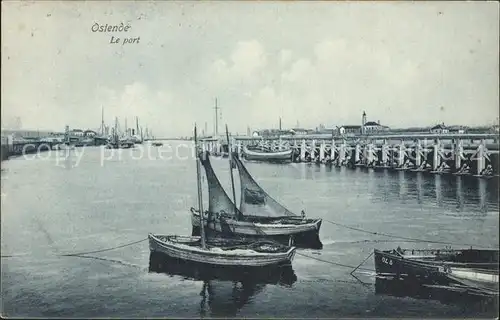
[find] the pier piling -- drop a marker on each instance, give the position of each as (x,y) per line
(427,152)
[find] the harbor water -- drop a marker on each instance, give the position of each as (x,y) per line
(54,205)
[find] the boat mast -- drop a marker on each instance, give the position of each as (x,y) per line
(198,180)
(137,125)
(116,131)
(231,171)
(216,131)
(279,136)
(102,120)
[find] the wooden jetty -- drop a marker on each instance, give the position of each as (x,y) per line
(460,154)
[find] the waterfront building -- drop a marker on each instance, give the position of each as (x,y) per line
(371,126)
(347,130)
(89,133)
(76,133)
(299,131)
(366,127)
(439,129)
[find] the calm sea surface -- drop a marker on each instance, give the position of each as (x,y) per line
(53,206)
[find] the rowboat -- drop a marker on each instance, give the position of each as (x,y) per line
(259,215)
(271,156)
(225,252)
(219,251)
(483,280)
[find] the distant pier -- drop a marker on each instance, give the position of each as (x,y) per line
(19,148)
(460,154)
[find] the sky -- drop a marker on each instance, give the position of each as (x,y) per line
(405,63)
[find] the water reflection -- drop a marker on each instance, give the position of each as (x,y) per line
(462,192)
(403,188)
(419,186)
(459,192)
(483,194)
(224,298)
(472,301)
(225,290)
(437,189)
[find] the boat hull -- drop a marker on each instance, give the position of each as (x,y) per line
(485,281)
(303,235)
(274,274)
(477,269)
(184,251)
(281,156)
(388,264)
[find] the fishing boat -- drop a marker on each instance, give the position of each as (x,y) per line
(126,142)
(273,274)
(424,262)
(220,251)
(267,155)
(474,268)
(137,135)
(259,214)
(66,142)
(157,144)
(101,140)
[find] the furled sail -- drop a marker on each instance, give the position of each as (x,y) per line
(218,200)
(254,200)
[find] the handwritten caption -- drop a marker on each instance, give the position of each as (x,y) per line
(107,28)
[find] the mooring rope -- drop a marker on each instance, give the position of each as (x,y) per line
(405,238)
(111,260)
(83,253)
(334,263)
(103,250)
(15,255)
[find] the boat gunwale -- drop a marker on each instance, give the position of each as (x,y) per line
(310,225)
(264,154)
(439,250)
(440,254)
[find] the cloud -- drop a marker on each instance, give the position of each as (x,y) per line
(391,61)
(299,71)
(153,108)
(242,67)
(247,58)
(285,56)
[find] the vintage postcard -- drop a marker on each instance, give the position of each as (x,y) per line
(249,159)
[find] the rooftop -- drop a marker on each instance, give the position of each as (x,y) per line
(439,126)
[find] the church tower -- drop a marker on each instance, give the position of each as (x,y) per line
(363,122)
